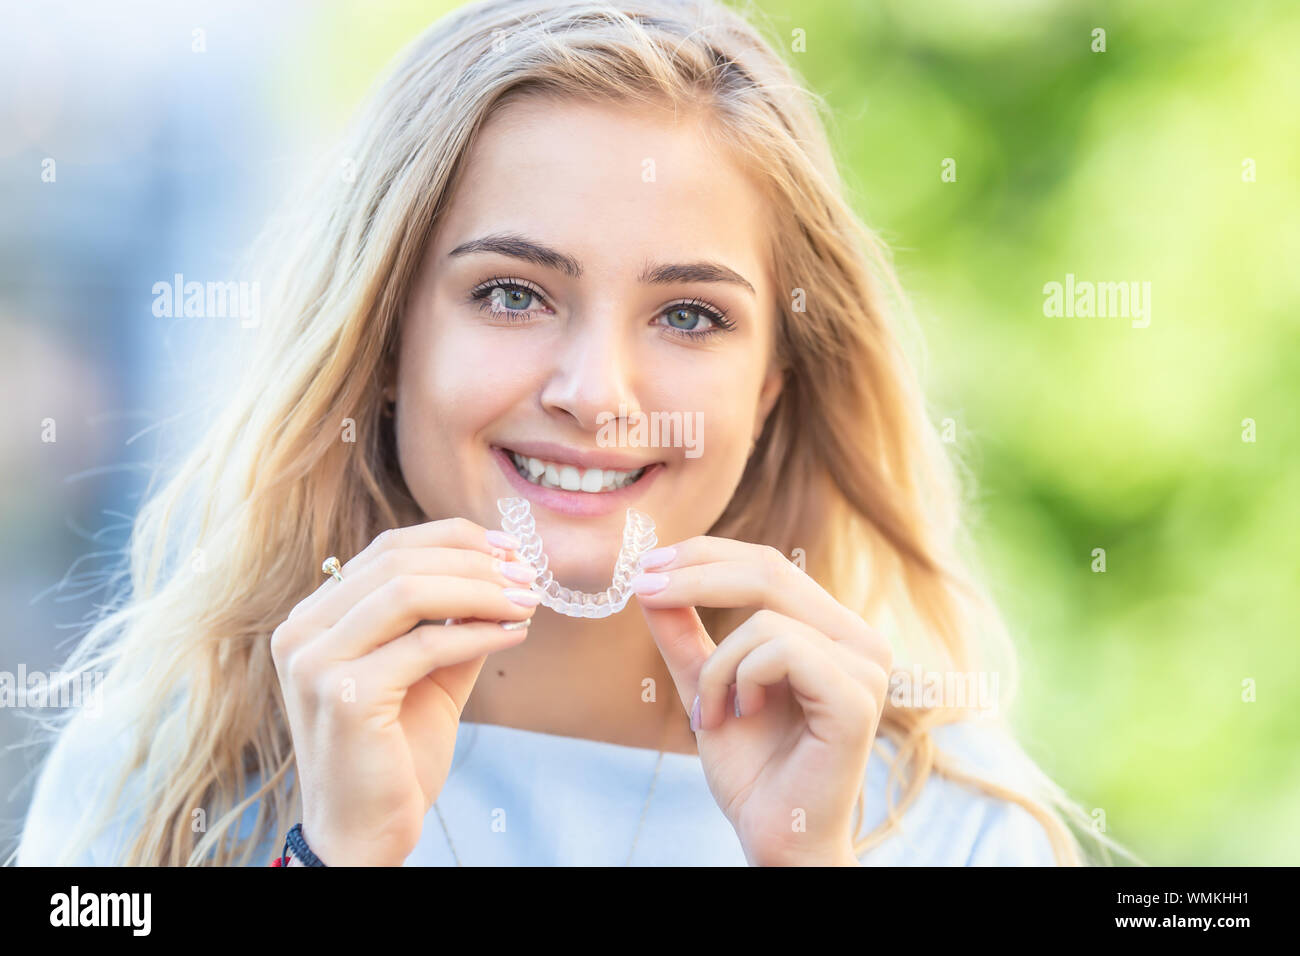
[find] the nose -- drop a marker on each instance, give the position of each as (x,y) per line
(592,372)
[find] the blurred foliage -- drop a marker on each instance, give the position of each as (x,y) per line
(1082,433)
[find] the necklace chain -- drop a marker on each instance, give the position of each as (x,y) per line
(640,822)
(644,807)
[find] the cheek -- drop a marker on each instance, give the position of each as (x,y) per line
(459,380)
(722,398)
(453,385)
(719,393)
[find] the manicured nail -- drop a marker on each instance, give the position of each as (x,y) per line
(649,583)
(658,557)
(695,714)
(499,539)
(522,597)
(515,571)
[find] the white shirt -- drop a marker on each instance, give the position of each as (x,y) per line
(521,798)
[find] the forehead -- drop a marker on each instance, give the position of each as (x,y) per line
(611,186)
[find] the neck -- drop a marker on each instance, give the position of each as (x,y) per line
(587,678)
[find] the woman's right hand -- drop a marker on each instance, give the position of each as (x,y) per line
(373,700)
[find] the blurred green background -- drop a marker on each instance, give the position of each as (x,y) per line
(1083,433)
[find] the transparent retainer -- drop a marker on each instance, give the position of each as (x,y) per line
(638,537)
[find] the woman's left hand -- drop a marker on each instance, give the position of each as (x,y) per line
(811,678)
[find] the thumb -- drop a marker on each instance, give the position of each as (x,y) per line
(684,644)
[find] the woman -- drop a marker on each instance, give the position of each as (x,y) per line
(552,216)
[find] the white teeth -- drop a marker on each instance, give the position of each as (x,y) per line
(570,478)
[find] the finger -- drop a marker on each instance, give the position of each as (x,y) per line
(684,644)
(444,533)
(403,602)
(835,706)
(430,647)
(718,673)
(705,549)
(452,562)
(720,572)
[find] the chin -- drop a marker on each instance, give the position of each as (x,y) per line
(580,561)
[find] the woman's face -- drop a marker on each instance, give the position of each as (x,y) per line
(594,304)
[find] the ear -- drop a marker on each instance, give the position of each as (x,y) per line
(767,396)
(388,375)
(388,394)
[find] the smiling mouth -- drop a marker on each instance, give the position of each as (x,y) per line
(551,474)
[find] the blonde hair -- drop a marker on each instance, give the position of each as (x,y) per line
(848,467)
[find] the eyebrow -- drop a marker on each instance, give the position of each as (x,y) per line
(526,250)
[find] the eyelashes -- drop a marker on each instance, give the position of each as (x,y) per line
(488,299)
(497,295)
(715,315)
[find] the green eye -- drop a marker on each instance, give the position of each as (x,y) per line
(508,300)
(695,320)
(511,297)
(682,318)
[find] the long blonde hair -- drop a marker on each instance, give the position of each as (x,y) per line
(848,468)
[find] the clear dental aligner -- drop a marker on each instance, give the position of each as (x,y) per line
(638,537)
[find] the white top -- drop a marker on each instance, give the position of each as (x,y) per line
(521,798)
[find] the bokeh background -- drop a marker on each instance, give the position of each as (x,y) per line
(170,146)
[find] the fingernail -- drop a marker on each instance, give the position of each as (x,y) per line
(522,597)
(515,571)
(499,539)
(658,557)
(649,583)
(737,703)
(695,714)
